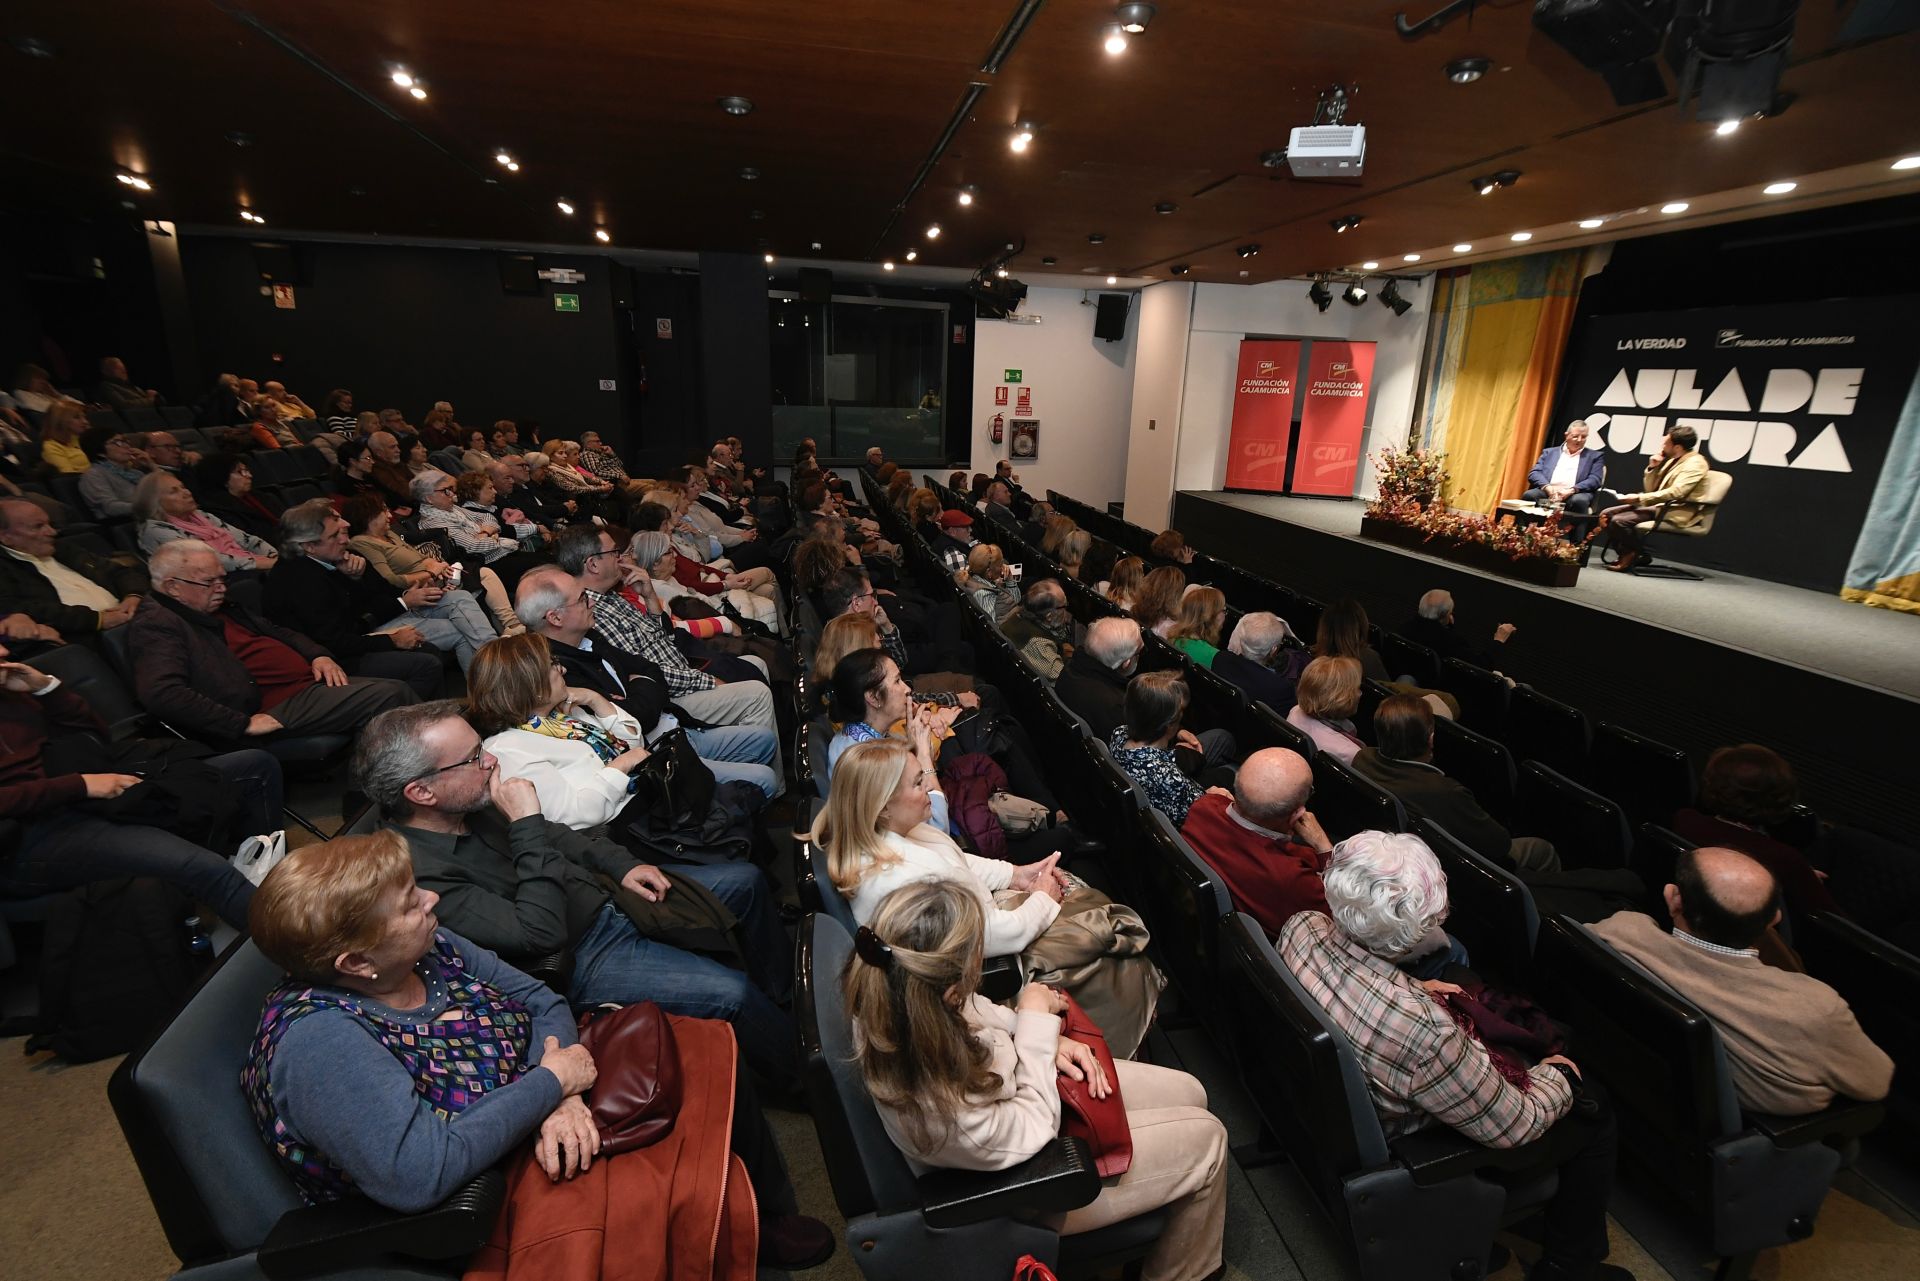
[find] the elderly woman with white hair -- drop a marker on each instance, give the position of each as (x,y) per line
(473,534)
(1259,660)
(1385,895)
(653,553)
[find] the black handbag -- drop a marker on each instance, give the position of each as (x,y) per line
(673,785)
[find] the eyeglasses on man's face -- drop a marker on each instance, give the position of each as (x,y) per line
(475,759)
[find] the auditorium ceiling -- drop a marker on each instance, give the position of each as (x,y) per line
(289,108)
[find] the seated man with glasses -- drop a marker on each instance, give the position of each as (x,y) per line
(220,672)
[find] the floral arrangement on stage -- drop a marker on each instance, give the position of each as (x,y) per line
(1411,482)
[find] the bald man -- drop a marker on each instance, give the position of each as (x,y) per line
(1792,1043)
(1267,847)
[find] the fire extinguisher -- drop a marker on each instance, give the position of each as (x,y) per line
(999,428)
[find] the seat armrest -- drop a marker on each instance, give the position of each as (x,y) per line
(339,1235)
(1846,1119)
(1057,1178)
(1000,978)
(555,969)
(1437,1155)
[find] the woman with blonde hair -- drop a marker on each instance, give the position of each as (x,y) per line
(1196,627)
(990,583)
(60,430)
(961,1083)
(1054,532)
(1156,607)
(372,537)
(1324,703)
(1123,589)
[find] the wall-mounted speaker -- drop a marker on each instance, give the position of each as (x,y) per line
(1110,322)
(816,284)
(518,275)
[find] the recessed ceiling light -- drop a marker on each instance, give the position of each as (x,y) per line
(1674,206)
(1590,224)
(419,93)
(602,235)
(1116,41)
(1096,238)
(1113,280)
(767,258)
(1165,207)
(1907,162)
(1464,71)
(1520,237)
(1726,127)
(1369,266)
(1778,188)
(887,265)
(1049,261)
(912,254)
(1134,17)
(1410,258)
(1022,137)
(503,158)
(1343,225)
(564,207)
(749,173)
(933,231)
(735,105)
(1463,249)
(966,195)
(402,77)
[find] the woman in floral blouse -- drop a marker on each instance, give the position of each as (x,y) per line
(1143,746)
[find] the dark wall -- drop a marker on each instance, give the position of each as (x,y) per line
(73,290)
(403,327)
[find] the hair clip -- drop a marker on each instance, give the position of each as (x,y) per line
(869,947)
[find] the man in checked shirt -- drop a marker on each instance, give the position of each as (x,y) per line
(1385,891)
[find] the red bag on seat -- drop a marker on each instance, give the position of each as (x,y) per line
(1101,1122)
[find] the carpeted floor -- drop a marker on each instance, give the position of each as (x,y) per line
(1874,647)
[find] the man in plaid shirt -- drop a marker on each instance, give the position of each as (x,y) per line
(1385,892)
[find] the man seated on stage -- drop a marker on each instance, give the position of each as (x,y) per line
(1677,475)
(1568,472)
(1792,1043)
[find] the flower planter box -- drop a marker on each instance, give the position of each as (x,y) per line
(1540,572)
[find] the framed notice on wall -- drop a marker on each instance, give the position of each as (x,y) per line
(1025,444)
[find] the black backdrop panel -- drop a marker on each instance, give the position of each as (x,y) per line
(1797,404)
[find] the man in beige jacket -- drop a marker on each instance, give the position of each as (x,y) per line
(1792,1043)
(1677,475)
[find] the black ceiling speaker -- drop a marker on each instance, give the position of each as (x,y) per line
(816,284)
(995,298)
(276,261)
(1110,322)
(518,275)
(1620,39)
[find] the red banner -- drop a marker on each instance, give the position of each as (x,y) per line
(1333,417)
(1263,391)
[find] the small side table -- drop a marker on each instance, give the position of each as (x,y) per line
(1576,524)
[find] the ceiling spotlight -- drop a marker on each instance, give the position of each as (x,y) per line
(1343,225)
(1165,207)
(1022,137)
(403,77)
(419,93)
(1907,162)
(1049,261)
(1463,249)
(501,157)
(135,181)
(966,195)
(1410,258)
(1116,41)
(1778,188)
(1248,251)
(1591,224)
(1390,297)
(1485,186)
(933,231)
(767,258)
(513,166)
(1725,127)
(1521,237)
(1133,18)
(735,105)
(1355,294)
(1674,206)
(1487,183)
(749,173)
(248,215)
(1001,272)
(602,235)
(1096,238)
(912,254)
(1180,269)
(887,265)
(1319,294)
(564,207)
(1369,266)
(1464,71)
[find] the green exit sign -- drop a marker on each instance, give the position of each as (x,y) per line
(1012,376)
(566,302)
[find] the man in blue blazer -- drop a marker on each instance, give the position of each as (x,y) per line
(1567,471)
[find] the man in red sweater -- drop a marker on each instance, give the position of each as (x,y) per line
(1265,844)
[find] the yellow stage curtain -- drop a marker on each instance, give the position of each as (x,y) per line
(1494,350)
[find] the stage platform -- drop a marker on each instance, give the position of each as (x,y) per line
(1833,686)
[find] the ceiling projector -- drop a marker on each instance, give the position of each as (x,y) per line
(1327,151)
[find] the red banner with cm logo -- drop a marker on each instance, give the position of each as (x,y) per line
(1263,392)
(1333,417)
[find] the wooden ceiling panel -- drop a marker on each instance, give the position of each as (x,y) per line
(611,104)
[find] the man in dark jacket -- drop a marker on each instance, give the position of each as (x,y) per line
(1401,762)
(75,592)
(1434,627)
(1265,670)
(313,589)
(223,673)
(1093,685)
